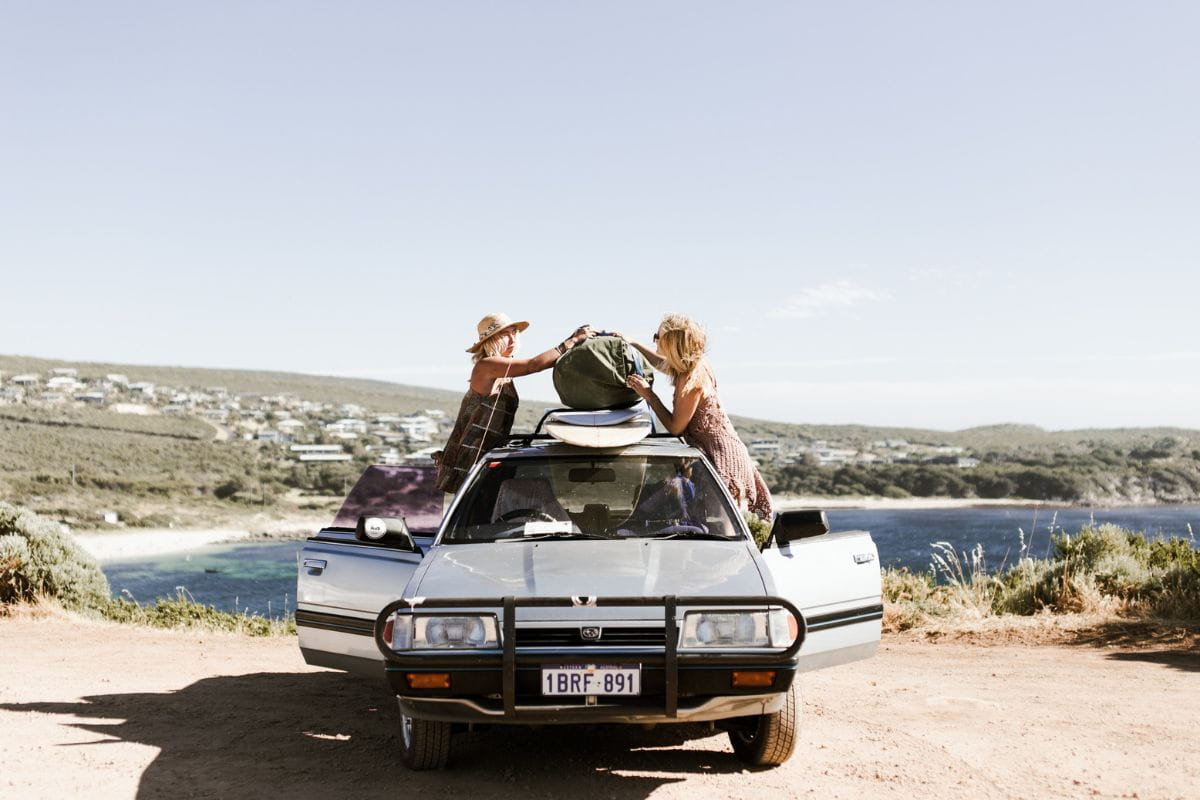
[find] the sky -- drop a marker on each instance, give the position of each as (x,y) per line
(931,214)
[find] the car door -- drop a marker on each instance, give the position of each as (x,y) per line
(834,579)
(344,581)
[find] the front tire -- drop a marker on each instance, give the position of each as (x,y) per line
(424,744)
(768,740)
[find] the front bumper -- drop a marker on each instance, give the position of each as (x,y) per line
(504,685)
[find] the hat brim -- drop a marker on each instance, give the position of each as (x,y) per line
(520,326)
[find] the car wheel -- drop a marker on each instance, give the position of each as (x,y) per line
(768,740)
(424,744)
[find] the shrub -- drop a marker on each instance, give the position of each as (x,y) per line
(182,611)
(1100,569)
(37,559)
(760,529)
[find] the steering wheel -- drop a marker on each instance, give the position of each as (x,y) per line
(525,513)
(682,527)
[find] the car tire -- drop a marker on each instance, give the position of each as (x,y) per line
(768,740)
(424,744)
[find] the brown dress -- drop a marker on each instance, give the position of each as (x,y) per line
(484,421)
(711,431)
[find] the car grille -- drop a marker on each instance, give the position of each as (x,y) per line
(609,637)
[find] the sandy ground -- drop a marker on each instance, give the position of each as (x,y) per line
(108,711)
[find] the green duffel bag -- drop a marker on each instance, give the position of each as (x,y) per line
(591,375)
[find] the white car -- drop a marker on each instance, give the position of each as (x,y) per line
(570,584)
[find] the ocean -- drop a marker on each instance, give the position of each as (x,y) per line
(261,578)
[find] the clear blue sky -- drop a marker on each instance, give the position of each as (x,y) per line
(932,214)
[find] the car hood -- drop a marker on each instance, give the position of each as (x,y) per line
(620,568)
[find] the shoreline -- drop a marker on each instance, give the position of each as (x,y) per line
(132,544)
(789,502)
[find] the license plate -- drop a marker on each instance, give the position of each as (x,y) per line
(592,679)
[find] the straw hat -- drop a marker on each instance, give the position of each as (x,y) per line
(492,324)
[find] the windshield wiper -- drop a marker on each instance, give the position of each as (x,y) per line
(556,535)
(689,534)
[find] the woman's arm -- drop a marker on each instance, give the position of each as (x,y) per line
(652,355)
(488,370)
(686,404)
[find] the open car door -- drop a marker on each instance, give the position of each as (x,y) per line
(833,578)
(346,577)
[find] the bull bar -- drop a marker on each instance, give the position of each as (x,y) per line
(670,659)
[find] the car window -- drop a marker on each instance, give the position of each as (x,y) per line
(385,490)
(592,496)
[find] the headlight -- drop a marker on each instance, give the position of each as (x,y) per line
(718,629)
(475,631)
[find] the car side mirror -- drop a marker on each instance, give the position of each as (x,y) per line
(791,526)
(386,530)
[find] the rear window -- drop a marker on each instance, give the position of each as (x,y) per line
(386,490)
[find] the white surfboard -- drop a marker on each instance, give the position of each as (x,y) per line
(600,428)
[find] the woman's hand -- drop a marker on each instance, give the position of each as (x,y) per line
(639,385)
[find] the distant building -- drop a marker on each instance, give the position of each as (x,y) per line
(130,408)
(92,398)
(28,379)
(65,372)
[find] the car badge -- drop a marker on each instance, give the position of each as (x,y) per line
(590,633)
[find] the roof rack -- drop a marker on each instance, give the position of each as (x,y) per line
(526,439)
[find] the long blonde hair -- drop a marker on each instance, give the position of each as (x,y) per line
(681,342)
(490,347)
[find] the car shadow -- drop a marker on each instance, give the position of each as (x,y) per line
(1185,660)
(1172,644)
(326,734)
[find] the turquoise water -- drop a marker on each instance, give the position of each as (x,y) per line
(261,578)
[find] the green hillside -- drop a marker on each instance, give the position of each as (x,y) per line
(71,462)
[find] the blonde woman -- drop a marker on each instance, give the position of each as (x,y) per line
(485,417)
(697,413)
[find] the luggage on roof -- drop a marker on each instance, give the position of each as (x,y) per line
(591,376)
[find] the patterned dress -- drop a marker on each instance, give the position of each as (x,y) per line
(711,431)
(484,421)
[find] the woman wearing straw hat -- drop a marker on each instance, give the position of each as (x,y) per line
(698,415)
(486,415)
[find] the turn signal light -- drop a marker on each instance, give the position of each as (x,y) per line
(389,628)
(430,680)
(753,679)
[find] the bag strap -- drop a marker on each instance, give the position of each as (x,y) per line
(637,361)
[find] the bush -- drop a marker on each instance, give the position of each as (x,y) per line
(37,559)
(182,611)
(1100,569)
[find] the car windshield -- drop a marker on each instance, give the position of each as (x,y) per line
(587,497)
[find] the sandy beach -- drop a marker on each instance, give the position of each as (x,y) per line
(114,711)
(120,545)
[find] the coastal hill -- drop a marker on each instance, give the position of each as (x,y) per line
(383,396)
(160,445)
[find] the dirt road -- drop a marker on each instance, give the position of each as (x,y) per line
(109,711)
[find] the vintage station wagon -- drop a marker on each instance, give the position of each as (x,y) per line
(571,584)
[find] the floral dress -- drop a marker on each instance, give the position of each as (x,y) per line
(711,431)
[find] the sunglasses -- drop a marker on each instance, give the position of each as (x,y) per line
(654,337)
